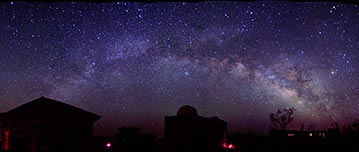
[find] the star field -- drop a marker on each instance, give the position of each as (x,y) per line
(134,63)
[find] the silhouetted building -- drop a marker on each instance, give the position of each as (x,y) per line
(188,131)
(47,125)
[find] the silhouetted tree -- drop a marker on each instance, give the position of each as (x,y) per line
(302,126)
(353,128)
(355,125)
(335,125)
(282,118)
(132,139)
(311,127)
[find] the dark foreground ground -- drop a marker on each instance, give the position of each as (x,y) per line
(272,144)
(259,144)
(291,144)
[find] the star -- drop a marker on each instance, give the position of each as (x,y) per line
(135,63)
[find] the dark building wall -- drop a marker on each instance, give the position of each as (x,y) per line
(194,132)
(42,134)
(47,125)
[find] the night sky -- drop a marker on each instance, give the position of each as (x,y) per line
(134,63)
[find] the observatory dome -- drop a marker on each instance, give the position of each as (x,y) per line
(187,110)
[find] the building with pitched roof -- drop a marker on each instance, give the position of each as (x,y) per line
(47,125)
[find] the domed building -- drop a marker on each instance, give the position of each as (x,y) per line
(187,110)
(188,131)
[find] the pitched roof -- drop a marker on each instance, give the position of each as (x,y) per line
(45,105)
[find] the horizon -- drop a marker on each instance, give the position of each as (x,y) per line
(134,63)
(250,132)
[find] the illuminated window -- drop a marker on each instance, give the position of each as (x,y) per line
(6,140)
(291,135)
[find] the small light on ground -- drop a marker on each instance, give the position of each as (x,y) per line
(108,145)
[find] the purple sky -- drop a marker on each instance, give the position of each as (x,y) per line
(134,63)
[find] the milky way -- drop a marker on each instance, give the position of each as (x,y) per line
(134,63)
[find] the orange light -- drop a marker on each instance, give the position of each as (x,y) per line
(230,146)
(108,145)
